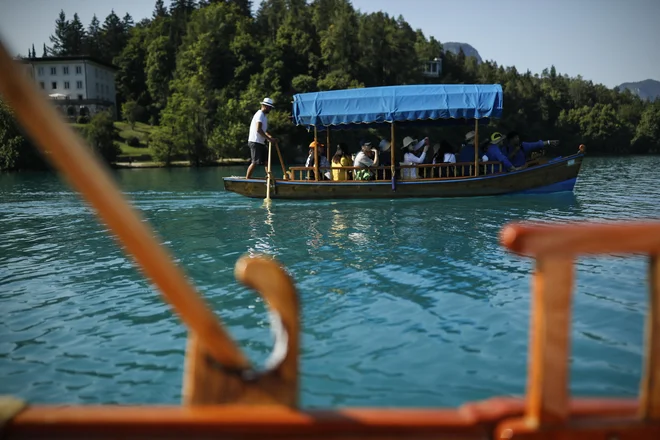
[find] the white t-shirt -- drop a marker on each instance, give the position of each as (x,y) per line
(362,160)
(259,116)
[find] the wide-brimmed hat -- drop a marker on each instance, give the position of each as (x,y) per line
(469,136)
(269,102)
(496,137)
(408,141)
(418,145)
(384,145)
(315,144)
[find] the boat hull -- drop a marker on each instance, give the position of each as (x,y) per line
(557,175)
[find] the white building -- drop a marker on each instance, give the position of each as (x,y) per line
(433,68)
(76,85)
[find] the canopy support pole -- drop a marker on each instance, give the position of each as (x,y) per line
(327,143)
(316,156)
(392,162)
(476,147)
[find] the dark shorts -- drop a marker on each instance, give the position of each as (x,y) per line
(257,152)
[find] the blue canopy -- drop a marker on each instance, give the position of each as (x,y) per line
(360,108)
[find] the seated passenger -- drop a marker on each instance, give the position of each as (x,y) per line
(445,154)
(341,159)
(517,151)
(323,161)
(495,154)
(412,155)
(386,157)
(467,150)
(364,161)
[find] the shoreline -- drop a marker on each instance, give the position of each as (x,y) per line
(179,164)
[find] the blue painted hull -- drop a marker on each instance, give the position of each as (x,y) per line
(566,185)
(557,175)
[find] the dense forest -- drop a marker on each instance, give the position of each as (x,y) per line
(198,69)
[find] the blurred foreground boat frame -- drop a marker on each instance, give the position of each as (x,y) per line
(225,397)
(401,107)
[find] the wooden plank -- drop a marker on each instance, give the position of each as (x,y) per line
(547,388)
(208,382)
(650,385)
(582,238)
(475,420)
(628,428)
(67,151)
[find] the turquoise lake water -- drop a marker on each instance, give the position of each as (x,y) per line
(404,303)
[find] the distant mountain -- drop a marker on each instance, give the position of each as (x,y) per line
(647,89)
(468,50)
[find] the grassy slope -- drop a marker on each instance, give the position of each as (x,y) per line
(142,154)
(141,131)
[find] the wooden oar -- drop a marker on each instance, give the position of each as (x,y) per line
(269,172)
(65,149)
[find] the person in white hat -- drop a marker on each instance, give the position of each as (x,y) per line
(411,157)
(258,136)
(384,147)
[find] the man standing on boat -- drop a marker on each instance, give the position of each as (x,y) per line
(517,151)
(258,135)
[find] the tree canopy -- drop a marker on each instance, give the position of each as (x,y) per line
(200,67)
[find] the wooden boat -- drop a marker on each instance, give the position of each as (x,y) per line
(408,106)
(224,397)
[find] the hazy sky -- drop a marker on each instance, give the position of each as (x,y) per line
(607,41)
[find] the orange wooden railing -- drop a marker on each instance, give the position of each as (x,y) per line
(424,171)
(555,249)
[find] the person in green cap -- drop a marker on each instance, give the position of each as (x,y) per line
(495,154)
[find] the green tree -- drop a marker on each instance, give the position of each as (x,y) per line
(647,136)
(131,112)
(100,135)
(114,37)
(93,40)
(131,77)
(16,152)
(159,67)
(159,9)
(60,38)
(162,145)
(75,37)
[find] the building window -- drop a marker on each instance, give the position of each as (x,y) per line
(78,70)
(40,71)
(79,84)
(80,97)
(53,70)
(66,85)
(42,85)
(65,70)
(53,85)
